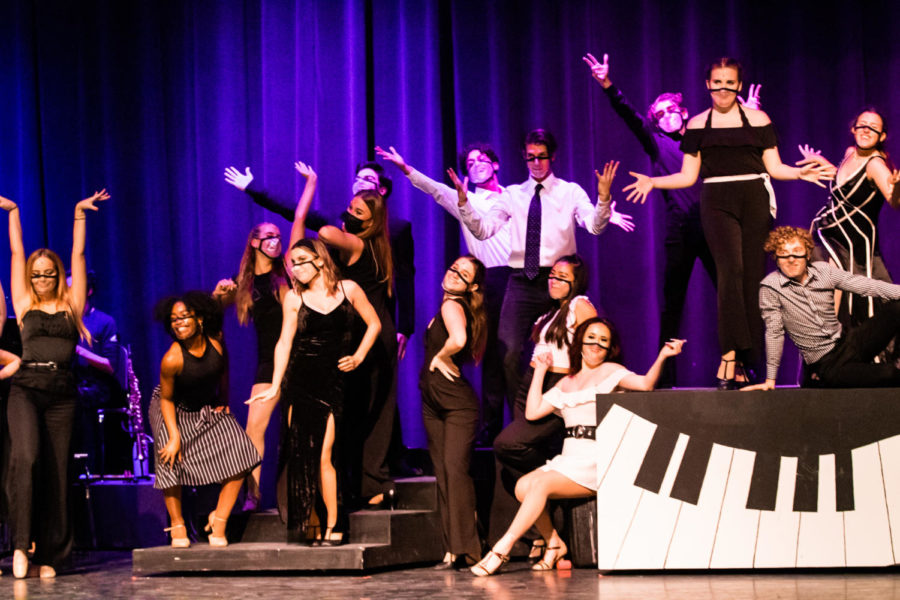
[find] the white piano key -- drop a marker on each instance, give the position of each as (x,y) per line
(695,531)
(776,541)
(654,522)
(736,535)
(866,529)
(890,467)
(618,497)
(821,539)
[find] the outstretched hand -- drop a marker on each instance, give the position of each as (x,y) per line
(304,169)
(268,394)
(639,189)
(604,181)
(752,100)
(461,186)
(599,71)
(672,348)
(89,202)
(392,156)
(238,179)
(816,173)
(620,220)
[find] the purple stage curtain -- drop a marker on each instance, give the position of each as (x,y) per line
(152,100)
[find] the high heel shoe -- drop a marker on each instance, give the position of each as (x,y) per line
(548,563)
(726,383)
(47,572)
(538,547)
(219,541)
(179,542)
(20,564)
(332,538)
(387,501)
(481,569)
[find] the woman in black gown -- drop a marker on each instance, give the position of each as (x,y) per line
(455,336)
(311,357)
(43,395)
(257,292)
(734,149)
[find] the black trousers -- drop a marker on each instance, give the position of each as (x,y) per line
(522,447)
(450,413)
(524,301)
(684,244)
(736,221)
(37,486)
(850,364)
(494,396)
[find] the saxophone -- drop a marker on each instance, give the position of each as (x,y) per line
(141,440)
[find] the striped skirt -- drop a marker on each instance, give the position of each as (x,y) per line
(214,447)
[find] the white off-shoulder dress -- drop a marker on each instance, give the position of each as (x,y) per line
(578,460)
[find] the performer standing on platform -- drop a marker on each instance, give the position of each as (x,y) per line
(798,299)
(311,356)
(594,356)
(456,335)
(735,150)
(198,439)
(847,226)
(542,214)
(660,134)
(42,397)
(524,444)
(481,164)
(260,288)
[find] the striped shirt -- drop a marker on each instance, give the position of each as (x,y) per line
(806,310)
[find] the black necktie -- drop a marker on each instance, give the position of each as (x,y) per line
(533,235)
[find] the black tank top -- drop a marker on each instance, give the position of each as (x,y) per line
(266,315)
(437,334)
(198,384)
(730,150)
(48,338)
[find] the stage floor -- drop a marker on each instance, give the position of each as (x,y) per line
(108,575)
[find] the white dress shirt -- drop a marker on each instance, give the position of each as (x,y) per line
(563,205)
(494,251)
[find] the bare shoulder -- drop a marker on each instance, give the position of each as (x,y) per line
(172,360)
(350,287)
(757,118)
(698,121)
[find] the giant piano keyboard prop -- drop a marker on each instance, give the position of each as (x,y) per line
(788,478)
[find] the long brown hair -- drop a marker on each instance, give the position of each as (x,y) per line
(557,332)
(378,236)
(328,270)
(243,296)
(474,300)
(613,354)
(61,293)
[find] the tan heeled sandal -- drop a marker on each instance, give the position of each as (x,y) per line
(218,541)
(481,570)
(548,565)
(179,542)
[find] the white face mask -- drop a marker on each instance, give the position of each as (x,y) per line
(480,172)
(360,184)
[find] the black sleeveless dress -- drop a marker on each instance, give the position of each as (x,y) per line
(313,389)
(214,446)
(266,316)
(847,229)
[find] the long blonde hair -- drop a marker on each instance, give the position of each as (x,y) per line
(243,296)
(61,293)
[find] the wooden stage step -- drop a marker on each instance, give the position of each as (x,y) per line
(378,539)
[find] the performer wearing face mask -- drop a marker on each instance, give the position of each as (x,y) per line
(257,292)
(847,226)
(311,357)
(735,150)
(660,132)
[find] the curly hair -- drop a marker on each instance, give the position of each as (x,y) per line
(785,234)
(200,303)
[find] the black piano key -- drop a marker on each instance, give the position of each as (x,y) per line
(656,460)
(692,471)
(806,487)
(764,482)
(843,479)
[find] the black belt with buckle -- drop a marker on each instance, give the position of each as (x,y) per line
(587,432)
(33,364)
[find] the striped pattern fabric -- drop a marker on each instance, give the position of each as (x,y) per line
(213,445)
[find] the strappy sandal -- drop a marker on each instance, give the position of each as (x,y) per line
(538,547)
(179,542)
(218,541)
(726,383)
(481,570)
(549,565)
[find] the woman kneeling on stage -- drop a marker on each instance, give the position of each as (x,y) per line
(199,440)
(594,369)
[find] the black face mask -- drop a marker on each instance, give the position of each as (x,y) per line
(352,223)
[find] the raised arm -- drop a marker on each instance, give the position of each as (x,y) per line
(481,226)
(18,287)
(646,382)
(79,235)
(444,194)
(289,307)
(245,183)
(350,245)
(690,170)
(373,325)
(455,321)
(298,227)
(536,407)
